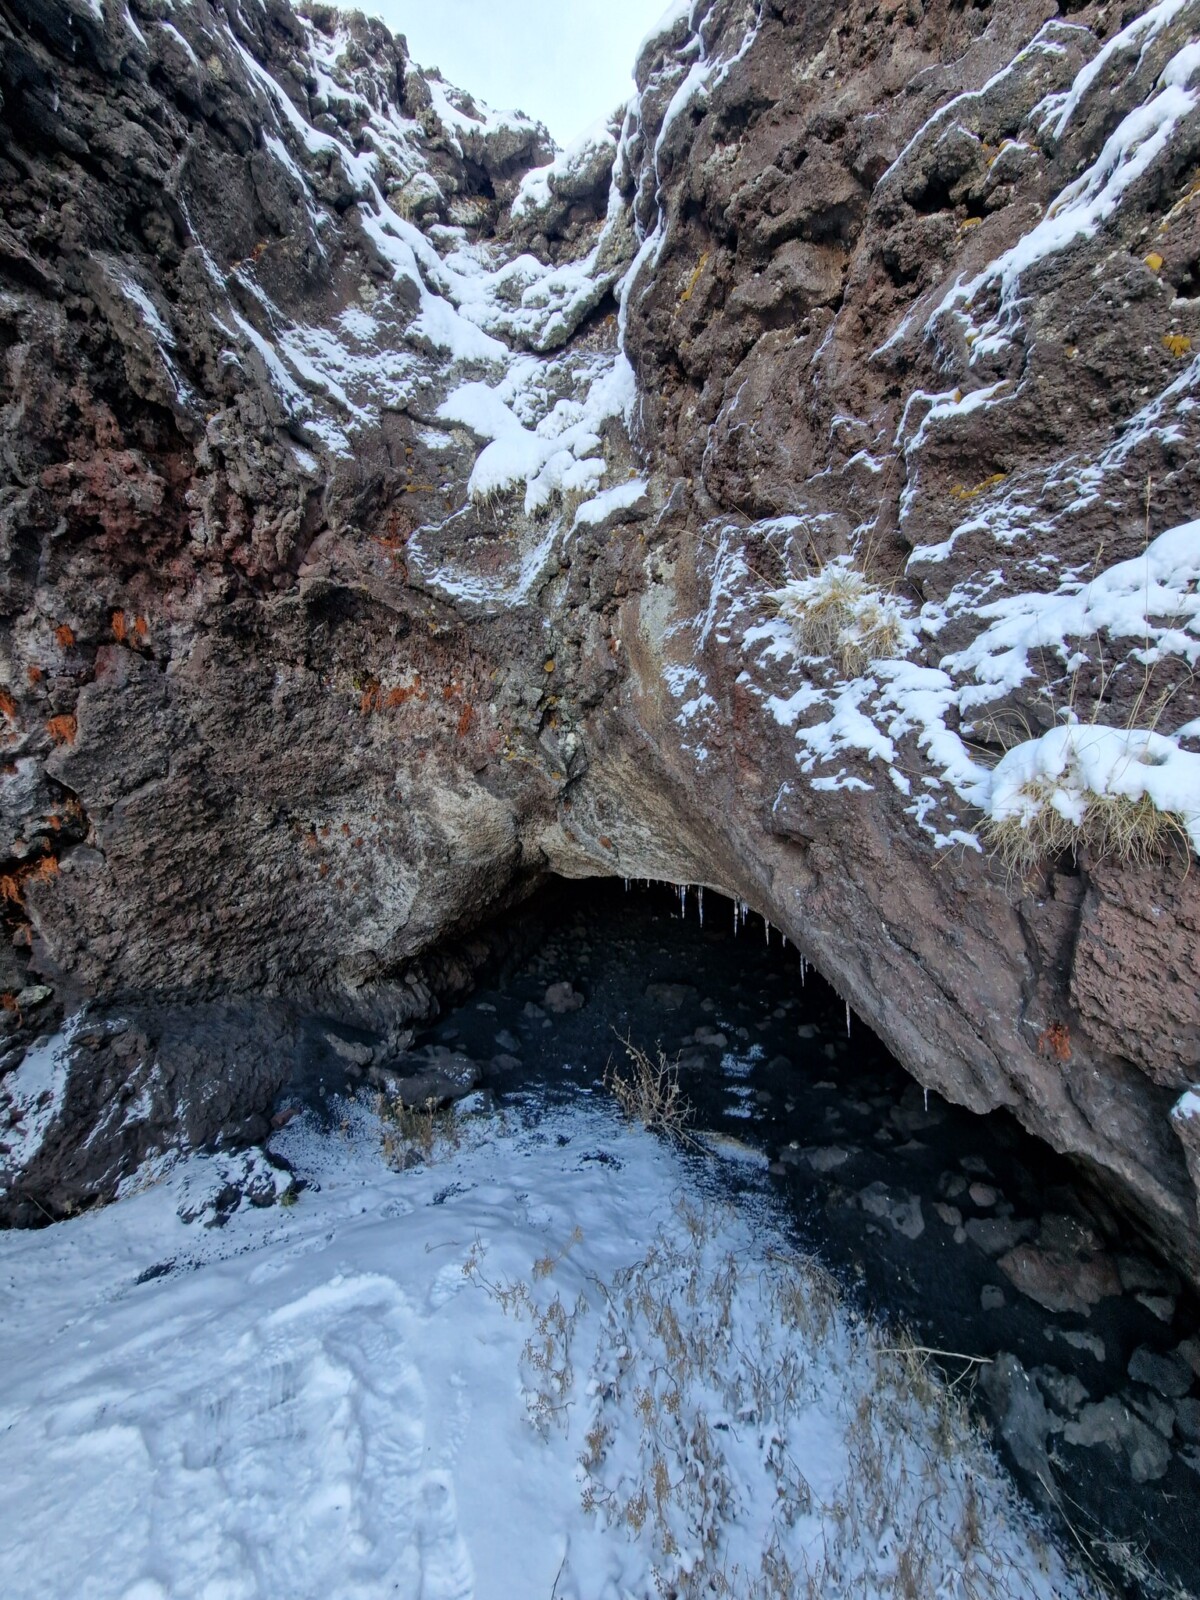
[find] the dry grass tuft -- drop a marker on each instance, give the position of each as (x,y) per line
(1115,827)
(840,615)
(649,1092)
(416,1135)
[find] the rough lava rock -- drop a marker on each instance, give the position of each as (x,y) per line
(385,526)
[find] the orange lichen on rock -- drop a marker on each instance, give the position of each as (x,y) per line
(1056,1042)
(119,630)
(12,884)
(65,635)
(62,729)
(465,719)
(34,674)
(8,705)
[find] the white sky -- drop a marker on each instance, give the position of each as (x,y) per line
(566,62)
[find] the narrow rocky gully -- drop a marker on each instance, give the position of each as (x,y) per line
(1080,1351)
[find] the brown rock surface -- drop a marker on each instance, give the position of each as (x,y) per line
(295,692)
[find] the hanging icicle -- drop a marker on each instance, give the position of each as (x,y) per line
(700,901)
(767,930)
(847,1019)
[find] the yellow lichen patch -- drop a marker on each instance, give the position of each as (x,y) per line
(1154,261)
(694,280)
(959,492)
(1177,343)
(969,222)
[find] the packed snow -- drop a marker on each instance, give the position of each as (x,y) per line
(544,1362)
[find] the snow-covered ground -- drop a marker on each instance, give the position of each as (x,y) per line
(547,1363)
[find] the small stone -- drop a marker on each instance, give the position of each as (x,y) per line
(1161,1306)
(983,1195)
(708,1006)
(1021,1413)
(1157,1412)
(505,1062)
(353,1051)
(950,1215)
(1190,1352)
(533,1011)
(826,1158)
(995,1235)
(561,998)
(1187,1420)
(505,1041)
(951,1185)
(807,1030)
(1063,1389)
(976,1165)
(1059,1282)
(711,1036)
(35,995)
(1111,1422)
(895,1206)
(669,996)
(991,1297)
(1091,1342)
(1067,1235)
(484,1005)
(1167,1375)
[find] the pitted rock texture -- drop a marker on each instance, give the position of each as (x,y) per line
(384,530)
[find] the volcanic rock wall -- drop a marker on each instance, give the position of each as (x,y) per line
(390,513)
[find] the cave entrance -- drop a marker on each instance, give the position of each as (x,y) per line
(964,1229)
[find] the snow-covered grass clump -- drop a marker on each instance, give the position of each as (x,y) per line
(1125,793)
(544,1363)
(840,614)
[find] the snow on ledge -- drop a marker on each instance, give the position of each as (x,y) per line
(1070,767)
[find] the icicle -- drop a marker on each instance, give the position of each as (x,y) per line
(767,930)
(927,1099)
(847,1019)
(683,901)
(700,901)
(803,971)
(626,885)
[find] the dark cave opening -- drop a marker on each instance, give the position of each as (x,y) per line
(964,1230)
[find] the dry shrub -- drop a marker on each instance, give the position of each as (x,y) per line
(413,1135)
(649,1091)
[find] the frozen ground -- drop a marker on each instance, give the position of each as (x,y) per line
(547,1363)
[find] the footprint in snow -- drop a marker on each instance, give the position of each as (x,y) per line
(446,1571)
